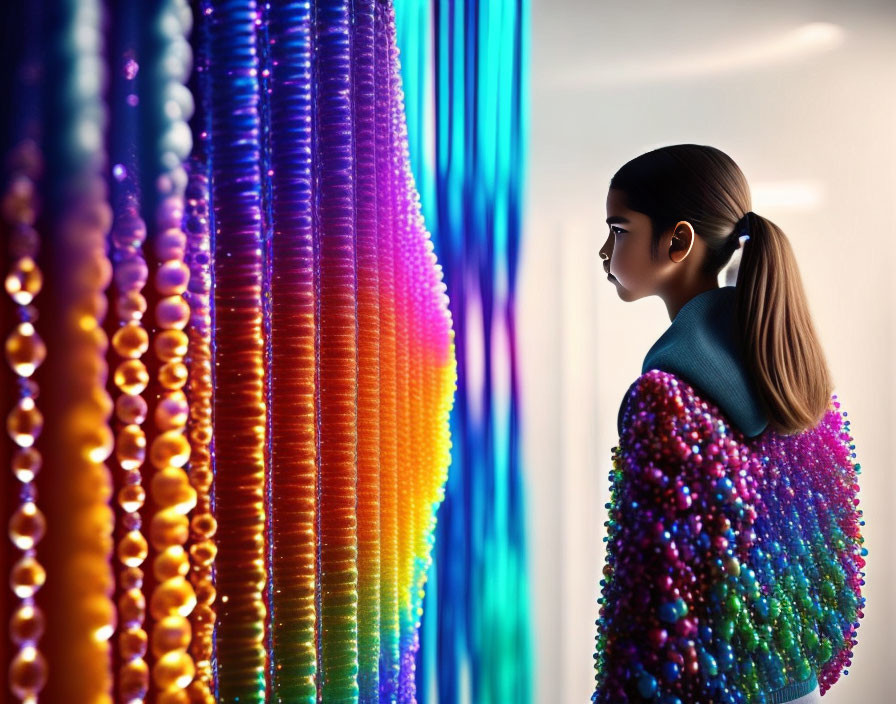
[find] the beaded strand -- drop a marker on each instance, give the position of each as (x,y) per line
(25,352)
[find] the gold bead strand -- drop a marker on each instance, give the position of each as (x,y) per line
(131,342)
(173,599)
(25,351)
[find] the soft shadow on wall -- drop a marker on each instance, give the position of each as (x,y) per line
(792,93)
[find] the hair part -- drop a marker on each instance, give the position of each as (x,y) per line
(704,186)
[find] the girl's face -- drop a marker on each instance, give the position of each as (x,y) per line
(626,252)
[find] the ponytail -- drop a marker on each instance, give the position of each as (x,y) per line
(778,337)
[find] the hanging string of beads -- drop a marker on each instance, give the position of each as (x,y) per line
(203,525)
(173,598)
(25,351)
(130,343)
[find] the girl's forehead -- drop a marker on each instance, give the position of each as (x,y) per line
(616,204)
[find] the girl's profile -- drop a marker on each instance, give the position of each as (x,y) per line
(734,556)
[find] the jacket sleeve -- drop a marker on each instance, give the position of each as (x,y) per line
(661,549)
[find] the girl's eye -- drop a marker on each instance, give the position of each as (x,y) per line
(616,230)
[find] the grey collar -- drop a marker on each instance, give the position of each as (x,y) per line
(701,347)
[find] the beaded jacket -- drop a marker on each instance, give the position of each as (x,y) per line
(733,570)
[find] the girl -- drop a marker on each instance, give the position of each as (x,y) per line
(734,553)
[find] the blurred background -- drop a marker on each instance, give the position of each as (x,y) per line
(800,95)
(518,114)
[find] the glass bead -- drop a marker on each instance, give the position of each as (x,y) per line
(27,673)
(132,521)
(131,578)
(95,272)
(29,314)
(132,643)
(133,681)
(204,525)
(132,606)
(202,435)
(205,591)
(170,212)
(88,310)
(131,497)
(170,448)
(131,408)
(172,411)
(172,313)
(173,375)
(204,552)
(171,489)
(27,526)
(28,387)
(26,625)
(170,563)
(171,345)
(85,363)
(132,549)
(98,442)
(129,230)
(24,422)
(26,577)
(24,281)
(130,306)
(201,478)
(131,274)
(130,340)
(131,376)
(99,214)
(173,597)
(172,278)
(25,350)
(171,633)
(173,670)
(170,244)
(168,527)
(130,448)
(26,463)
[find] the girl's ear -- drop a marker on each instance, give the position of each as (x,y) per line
(681,242)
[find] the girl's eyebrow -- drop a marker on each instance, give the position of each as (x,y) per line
(616,218)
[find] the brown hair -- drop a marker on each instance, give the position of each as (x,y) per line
(703,185)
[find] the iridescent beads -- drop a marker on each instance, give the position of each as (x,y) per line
(131,342)
(25,352)
(203,525)
(173,599)
(733,565)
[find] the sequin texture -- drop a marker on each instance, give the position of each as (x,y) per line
(734,564)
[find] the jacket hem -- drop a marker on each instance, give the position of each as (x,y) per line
(792,691)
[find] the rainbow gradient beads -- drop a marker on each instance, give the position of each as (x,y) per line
(334,361)
(734,565)
(246,367)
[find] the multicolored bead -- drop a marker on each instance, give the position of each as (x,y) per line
(733,564)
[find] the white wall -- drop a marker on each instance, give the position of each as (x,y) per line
(809,113)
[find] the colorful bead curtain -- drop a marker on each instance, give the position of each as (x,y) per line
(465,66)
(230,353)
